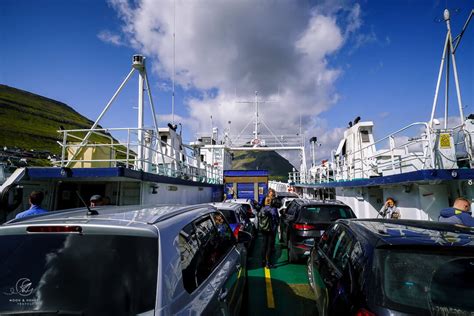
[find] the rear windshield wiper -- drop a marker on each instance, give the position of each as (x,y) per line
(40,312)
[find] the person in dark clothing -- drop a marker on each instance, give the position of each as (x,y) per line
(460,213)
(36,198)
(269,231)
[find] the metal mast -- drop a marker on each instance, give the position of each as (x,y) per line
(448,51)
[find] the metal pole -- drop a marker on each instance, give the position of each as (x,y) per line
(256,114)
(439,80)
(456,79)
(89,133)
(446,93)
(152,107)
(141,116)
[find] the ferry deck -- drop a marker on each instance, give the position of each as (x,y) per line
(281,290)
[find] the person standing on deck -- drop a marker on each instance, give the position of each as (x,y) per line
(460,213)
(35,199)
(390,209)
(268,224)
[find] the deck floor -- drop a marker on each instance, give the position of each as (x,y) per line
(282,290)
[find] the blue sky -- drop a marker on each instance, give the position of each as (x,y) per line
(326,61)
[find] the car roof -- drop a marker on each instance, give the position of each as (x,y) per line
(287,194)
(238,201)
(226,206)
(137,216)
(390,232)
(303,202)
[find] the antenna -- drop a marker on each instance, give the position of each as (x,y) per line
(174,60)
(89,211)
(256,141)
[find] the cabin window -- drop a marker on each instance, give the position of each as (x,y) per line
(365,136)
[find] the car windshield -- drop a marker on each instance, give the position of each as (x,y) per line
(229,216)
(438,282)
(324,213)
(87,274)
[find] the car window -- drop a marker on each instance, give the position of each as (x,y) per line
(247,208)
(230,216)
(213,247)
(328,238)
(324,213)
(292,209)
(189,246)
(342,249)
(87,274)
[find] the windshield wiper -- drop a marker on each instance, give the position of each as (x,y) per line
(40,312)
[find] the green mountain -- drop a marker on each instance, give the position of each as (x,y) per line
(277,166)
(30,122)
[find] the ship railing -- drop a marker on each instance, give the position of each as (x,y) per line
(103,150)
(463,141)
(359,165)
(268,140)
(392,160)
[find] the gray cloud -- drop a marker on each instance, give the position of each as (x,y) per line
(230,49)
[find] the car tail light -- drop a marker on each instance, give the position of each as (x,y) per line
(236,231)
(54,229)
(303,226)
(364,312)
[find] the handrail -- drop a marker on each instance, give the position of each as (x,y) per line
(359,165)
(170,162)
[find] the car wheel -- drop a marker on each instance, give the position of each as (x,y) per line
(292,256)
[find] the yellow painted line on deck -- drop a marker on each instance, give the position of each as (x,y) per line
(268,283)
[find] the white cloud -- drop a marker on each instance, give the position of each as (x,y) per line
(229,49)
(108,37)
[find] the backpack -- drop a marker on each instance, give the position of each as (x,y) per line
(264,220)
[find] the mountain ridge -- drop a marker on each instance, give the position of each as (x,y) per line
(30,122)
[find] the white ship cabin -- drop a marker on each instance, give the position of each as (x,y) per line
(213,154)
(357,157)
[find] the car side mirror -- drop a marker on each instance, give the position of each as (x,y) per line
(244,237)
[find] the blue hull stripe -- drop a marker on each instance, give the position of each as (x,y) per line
(115,172)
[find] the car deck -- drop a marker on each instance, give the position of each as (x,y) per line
(281,290)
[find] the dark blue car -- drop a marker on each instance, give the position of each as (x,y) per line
(393,267)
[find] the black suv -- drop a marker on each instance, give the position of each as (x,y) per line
(306,220)
(393,267)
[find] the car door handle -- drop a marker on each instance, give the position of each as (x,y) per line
(223,295)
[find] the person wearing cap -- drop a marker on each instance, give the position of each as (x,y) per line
(96,200)
(35,199)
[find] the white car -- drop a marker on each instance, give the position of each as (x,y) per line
(284,203)
(249,207)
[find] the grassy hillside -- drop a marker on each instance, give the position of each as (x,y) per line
(29,121)
(277,166)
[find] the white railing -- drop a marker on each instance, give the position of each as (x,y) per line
(394,160)
(102,150)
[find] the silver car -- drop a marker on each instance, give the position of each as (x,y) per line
(164,260)
(249,207)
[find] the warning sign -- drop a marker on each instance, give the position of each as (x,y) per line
(444,141)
